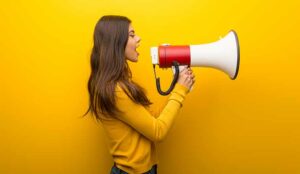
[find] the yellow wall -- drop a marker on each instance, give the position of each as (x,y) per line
(250,125)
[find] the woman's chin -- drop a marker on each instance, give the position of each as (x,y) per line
(133,59)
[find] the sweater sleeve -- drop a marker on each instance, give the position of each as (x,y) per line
(138,117)
(155,110)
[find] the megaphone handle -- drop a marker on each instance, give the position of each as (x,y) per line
(181,67)
(175,78)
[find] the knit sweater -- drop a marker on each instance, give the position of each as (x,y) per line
(132,134)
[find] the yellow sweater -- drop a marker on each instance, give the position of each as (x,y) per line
(133,133)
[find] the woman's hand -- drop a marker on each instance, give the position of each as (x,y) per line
(186,77)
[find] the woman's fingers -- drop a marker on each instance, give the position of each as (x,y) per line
(186,77)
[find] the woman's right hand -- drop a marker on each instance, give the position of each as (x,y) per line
(186,77)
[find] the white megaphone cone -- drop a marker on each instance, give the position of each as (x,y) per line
(223,55)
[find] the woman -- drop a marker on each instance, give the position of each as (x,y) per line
(121,104)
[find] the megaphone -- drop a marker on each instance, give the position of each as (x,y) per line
(223,55)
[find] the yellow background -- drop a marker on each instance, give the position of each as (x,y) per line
(250,125)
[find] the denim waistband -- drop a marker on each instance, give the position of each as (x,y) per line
(116,170)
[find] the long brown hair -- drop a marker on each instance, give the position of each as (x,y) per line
(109,68)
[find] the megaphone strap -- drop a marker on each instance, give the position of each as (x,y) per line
(175,78)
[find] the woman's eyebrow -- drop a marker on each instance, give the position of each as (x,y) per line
(131,31)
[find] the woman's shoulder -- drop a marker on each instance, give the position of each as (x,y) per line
(120,90)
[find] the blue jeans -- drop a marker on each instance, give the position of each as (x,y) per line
(116,170)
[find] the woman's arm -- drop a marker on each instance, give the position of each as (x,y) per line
(142,121)
(156,108)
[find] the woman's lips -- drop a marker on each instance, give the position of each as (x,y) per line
(136,51)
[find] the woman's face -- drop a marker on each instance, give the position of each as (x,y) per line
(133,42)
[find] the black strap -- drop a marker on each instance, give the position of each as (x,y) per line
(175,78)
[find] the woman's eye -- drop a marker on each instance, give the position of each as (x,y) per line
(132,35)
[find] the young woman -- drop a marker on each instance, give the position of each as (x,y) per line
(122,105)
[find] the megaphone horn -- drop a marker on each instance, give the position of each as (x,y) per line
(223,55)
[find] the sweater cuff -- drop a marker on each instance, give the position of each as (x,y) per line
(181,90)
(179,93)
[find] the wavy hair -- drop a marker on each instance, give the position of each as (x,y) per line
(109,68)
